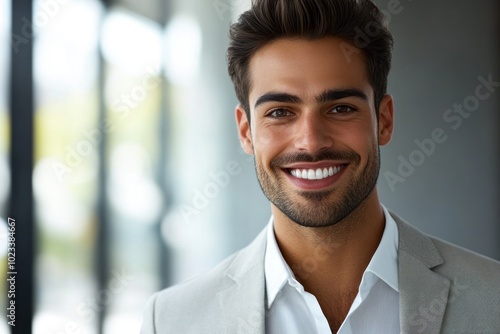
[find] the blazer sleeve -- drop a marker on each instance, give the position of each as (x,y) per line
(148,318)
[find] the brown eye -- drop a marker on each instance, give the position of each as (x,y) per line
(342,109)
(278,113)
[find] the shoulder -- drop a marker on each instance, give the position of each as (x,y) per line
(472,279)
(169,309)
(448,259)
(203,300)
(475,278)
(467,264)
(474,288)
(200,288)
(195,292)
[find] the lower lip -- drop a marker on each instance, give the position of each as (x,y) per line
(306,184)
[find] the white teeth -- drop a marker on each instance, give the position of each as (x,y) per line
(319,174)
(315,174)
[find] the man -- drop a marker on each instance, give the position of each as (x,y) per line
(313,112)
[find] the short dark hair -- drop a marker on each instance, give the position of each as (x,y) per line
(358,22)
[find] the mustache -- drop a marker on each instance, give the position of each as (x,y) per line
(323,155)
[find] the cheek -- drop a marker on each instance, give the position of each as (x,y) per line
(262,137)
(268,143)
(360,138)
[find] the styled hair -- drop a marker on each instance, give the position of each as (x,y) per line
(358,22)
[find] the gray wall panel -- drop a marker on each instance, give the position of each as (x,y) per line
(441,49)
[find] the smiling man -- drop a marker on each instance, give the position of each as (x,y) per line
(313,112)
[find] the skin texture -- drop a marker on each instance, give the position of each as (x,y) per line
(313,107)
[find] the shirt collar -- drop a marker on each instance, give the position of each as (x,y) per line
(276,270)
(384,263)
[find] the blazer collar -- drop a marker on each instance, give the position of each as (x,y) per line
(423,293)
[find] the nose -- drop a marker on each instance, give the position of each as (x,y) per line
(312,133)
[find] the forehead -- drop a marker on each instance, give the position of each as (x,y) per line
(307,67)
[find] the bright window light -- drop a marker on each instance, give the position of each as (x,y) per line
(68,220)
(65,47)
(132,191)
(182,50)
(131,42)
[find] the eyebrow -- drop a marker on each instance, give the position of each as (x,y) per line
(326,96)
(337,94)
(277,97)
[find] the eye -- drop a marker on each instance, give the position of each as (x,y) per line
(279,113)
(342,109)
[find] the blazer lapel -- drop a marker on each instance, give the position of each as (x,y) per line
(423,292)
(243,300)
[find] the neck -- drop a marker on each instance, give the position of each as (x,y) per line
(332,258)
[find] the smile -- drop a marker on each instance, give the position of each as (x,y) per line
(316,174)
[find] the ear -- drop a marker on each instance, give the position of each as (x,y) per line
(385,120)
(244,132)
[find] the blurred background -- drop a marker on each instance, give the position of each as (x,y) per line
(120,163)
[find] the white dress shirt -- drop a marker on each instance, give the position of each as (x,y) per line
(292,310)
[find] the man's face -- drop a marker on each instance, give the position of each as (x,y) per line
(314,130)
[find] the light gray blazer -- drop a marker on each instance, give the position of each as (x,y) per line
(443,289)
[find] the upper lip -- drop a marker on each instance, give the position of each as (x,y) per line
(314,165)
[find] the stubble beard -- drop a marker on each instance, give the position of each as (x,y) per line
(320,208)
